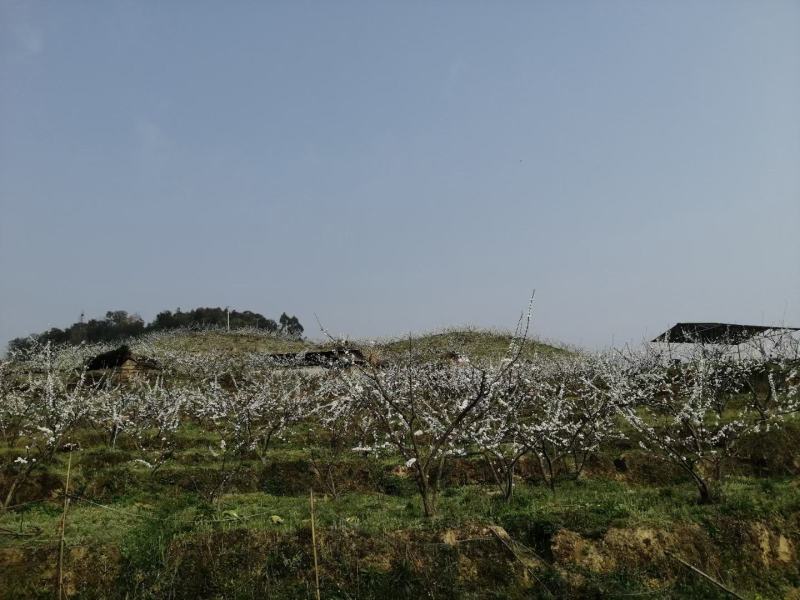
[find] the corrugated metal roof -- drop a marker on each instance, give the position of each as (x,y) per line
(715,333)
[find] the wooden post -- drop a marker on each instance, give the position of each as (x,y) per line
(63,525)
(314,546)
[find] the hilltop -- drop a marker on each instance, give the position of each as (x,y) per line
(119,325)
(476,344)
(237,341)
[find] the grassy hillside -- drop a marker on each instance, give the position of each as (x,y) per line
(483,345)
(236,342)
(172,494)
(477,344)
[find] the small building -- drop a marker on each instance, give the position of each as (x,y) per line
(328,359)
(717,333)
(122,362)
(740,341)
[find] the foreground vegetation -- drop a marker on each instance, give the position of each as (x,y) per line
(497,472)
(131,532)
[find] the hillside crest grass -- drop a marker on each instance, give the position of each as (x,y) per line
(476,344)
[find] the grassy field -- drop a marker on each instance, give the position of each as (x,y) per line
(199,526)
(131,532)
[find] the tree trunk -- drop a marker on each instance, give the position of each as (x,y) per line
(10,495)
(551,479)
(14,484)
(509,486)
(703,489)
(426,493)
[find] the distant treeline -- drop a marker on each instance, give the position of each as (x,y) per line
(118,324)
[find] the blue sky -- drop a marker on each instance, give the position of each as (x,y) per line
(403,166)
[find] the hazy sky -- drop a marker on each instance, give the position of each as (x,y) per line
(402,166)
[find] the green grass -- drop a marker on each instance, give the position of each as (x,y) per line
(151,526)
(588,508)
(477,344)
(483,345)
(235,342)
(165,532)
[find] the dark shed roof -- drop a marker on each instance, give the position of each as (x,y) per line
(714,333)
(116,358)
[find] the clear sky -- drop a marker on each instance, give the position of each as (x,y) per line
(402,166)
